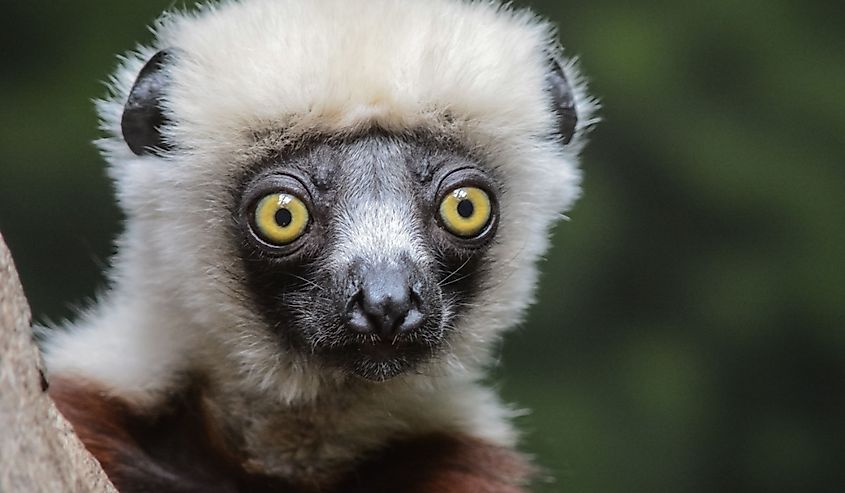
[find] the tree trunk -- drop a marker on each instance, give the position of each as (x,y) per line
(39,451)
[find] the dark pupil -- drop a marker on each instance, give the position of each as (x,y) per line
(283,218)
(465,208)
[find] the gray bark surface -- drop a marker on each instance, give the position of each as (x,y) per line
(39,451)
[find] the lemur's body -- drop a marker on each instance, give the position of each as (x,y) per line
(333,209)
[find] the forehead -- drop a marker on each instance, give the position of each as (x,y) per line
(368,159)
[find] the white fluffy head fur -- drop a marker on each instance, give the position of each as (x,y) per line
(473,70)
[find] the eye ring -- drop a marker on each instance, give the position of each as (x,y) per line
(280,218)
(466,211)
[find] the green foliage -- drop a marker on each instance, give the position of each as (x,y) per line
(689,331)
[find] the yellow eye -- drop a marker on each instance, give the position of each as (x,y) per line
(280,218)
(466,211)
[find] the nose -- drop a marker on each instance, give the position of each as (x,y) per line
(387,302)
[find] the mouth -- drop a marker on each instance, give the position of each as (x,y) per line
(378,360)
(382,351)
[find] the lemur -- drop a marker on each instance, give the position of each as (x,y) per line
(334,209)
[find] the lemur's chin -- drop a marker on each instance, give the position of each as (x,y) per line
(382,370)
(381,360)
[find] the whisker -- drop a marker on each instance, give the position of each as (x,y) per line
(308,281)
(454,272)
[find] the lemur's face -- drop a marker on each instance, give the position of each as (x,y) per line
(361,251)
(365,201)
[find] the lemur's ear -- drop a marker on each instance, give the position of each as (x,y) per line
(563,100)
(143,115)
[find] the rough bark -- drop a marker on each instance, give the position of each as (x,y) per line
(39,451)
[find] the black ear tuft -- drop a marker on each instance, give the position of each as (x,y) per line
(564,102)
(143,116)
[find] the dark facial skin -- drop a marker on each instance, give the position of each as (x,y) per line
(333,292)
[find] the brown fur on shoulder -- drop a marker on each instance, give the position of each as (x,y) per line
(174,451)
(442,464)
(177,451)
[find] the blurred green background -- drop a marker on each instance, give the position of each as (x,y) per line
(689,332)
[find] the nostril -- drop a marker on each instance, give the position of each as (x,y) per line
(412,321)
(416,298)
(356,318)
